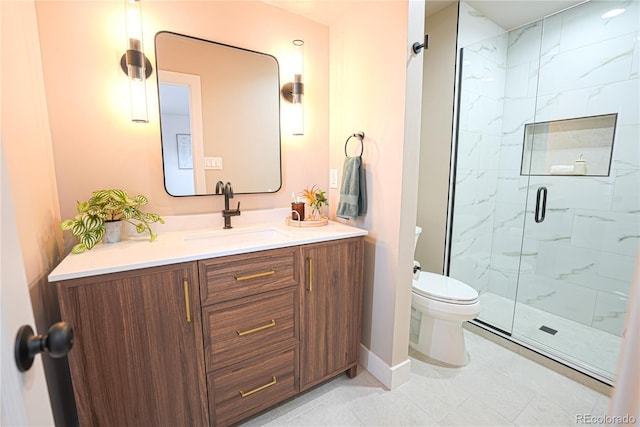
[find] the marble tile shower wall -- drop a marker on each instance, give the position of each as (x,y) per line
(579,262)
(478,152)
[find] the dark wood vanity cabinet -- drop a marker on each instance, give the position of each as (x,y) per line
(137,353)
(250,321)
(331,304)
(214,341)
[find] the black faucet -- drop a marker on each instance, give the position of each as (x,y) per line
(227,190)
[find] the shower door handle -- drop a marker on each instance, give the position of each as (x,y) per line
(541,204)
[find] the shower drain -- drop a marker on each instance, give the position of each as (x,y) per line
(548,330)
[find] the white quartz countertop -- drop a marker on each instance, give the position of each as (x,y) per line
(194,237)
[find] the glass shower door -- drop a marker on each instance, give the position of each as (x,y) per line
(582,226)
(489,191)
(546,201)
(575,271)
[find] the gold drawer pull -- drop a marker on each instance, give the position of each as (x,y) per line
(187,307)
(259,328)
(310,274)
(253,276)
(262,387)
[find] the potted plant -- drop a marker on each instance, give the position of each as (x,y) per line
(316,198)
(104,208)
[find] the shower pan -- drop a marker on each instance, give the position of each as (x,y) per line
(545,213)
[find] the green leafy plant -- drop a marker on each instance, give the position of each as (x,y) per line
(104,206)
(316,197)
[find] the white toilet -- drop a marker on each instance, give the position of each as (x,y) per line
(439,305)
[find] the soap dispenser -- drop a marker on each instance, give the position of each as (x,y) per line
(580,166)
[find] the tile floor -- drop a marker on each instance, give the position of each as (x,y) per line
(497,388)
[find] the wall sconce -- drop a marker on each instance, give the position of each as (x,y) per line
(135,64)
(293,91)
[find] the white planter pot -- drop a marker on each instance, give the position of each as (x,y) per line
(113,230)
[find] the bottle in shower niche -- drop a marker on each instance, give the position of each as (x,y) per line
(580,166)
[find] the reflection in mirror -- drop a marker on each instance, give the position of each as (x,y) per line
(219,116)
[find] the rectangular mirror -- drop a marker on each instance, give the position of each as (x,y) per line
(219,116)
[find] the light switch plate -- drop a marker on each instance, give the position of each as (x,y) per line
(213,162)
(333,178)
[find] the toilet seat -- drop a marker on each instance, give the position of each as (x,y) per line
(444,289)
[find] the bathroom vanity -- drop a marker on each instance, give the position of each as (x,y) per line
(210,327)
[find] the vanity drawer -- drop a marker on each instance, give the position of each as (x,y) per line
(237,276)
(247,327)
(239,392)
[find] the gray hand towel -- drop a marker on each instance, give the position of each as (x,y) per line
(353,197)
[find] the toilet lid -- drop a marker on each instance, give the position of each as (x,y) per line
(443,288)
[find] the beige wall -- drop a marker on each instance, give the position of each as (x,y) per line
(435,151)
(409,183)
(94,143)
(371,68)
(28,154)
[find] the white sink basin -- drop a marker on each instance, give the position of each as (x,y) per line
(237,236)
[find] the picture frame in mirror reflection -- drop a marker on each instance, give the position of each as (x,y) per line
(185,158)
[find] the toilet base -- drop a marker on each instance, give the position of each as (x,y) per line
(442,340)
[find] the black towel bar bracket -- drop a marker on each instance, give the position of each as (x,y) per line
(360,136)
(417,47)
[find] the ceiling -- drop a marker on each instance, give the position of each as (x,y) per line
(509,14)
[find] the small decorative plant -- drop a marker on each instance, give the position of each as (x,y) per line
(105,206)
(316,198)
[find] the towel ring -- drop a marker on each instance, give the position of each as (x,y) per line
(360,136)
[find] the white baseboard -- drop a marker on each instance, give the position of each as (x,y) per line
(390,376)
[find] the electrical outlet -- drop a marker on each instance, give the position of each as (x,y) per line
(333,178)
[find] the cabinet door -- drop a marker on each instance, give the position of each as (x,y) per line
(137,357)
(331,309)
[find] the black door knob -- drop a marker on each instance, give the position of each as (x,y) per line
(57,343)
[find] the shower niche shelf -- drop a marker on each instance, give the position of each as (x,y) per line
(580,146)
